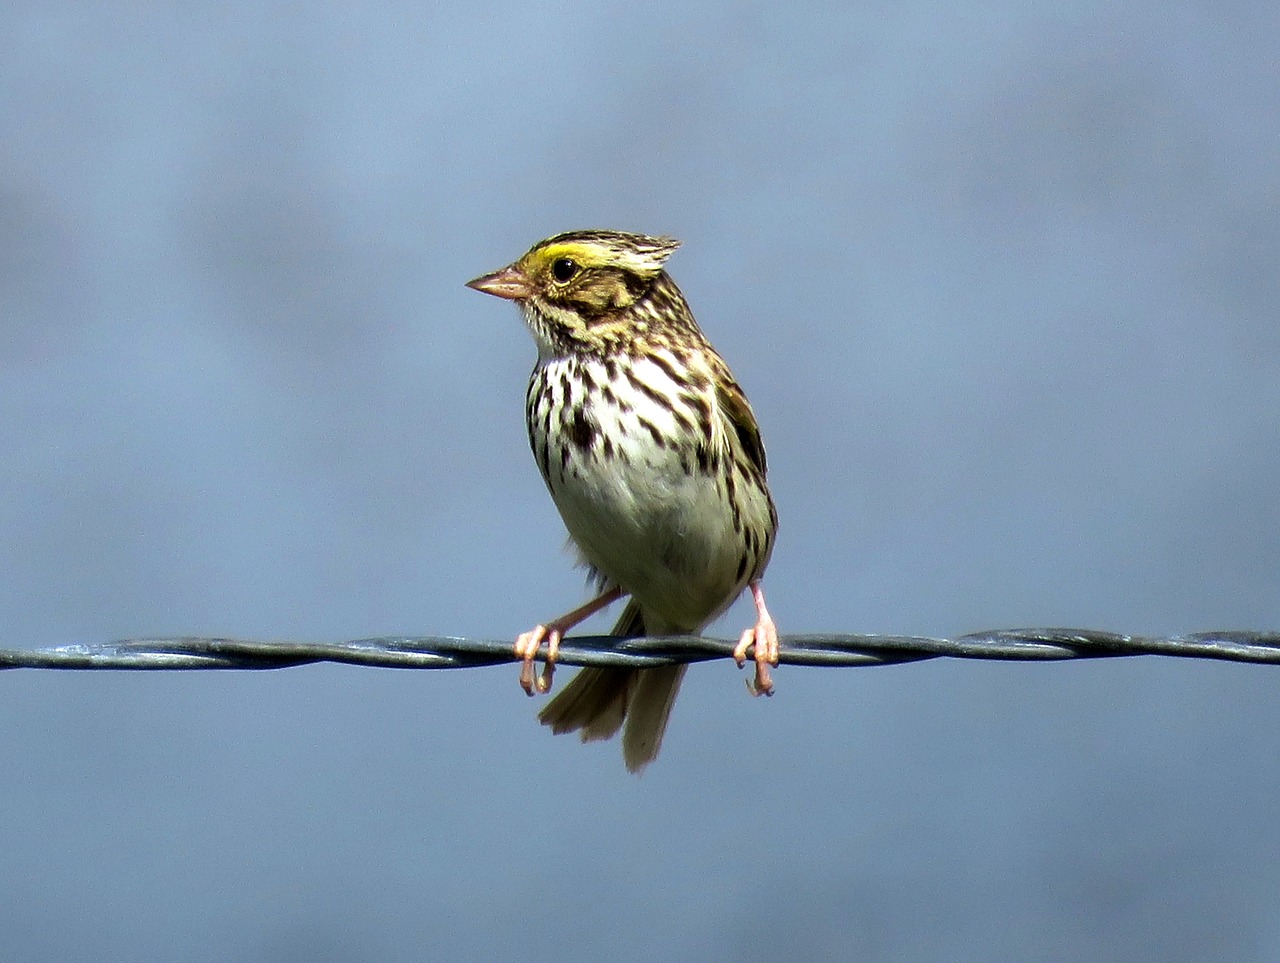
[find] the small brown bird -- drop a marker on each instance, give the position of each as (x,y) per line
(654,460)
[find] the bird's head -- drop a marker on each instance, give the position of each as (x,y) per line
(576,288)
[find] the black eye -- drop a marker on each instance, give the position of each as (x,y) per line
(563,269)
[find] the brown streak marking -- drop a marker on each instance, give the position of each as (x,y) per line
(656,396)
(650,427)
(670,369)
(581,430)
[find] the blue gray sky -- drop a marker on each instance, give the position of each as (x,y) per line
(1000,280)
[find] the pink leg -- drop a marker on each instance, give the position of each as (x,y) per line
(764,636)
(527,643)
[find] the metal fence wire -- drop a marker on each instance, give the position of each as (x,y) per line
(447,652)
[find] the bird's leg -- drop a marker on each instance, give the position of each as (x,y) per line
(527,643)
(764,636)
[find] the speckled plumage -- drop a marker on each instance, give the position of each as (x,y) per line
(653,457)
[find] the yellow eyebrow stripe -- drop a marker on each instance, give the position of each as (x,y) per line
(586,255)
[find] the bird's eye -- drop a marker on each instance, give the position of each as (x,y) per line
(563,269)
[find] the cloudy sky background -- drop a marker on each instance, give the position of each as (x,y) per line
(1001,283)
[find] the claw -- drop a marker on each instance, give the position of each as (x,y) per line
(528,643)
(763,637)
(549,666)
(526,649)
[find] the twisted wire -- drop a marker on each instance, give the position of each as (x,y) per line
(448,652)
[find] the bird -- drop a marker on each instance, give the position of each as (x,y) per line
(654,459)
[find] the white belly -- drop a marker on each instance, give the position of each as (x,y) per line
(641,511)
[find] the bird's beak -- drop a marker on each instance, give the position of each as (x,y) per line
(509,283)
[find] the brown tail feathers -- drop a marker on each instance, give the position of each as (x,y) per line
(597,701)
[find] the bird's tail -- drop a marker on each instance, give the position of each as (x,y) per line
(598,700)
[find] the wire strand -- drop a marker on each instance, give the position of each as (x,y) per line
(447,652)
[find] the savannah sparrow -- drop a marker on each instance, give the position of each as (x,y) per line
(654,459)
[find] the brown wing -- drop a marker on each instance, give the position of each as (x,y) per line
(737,410)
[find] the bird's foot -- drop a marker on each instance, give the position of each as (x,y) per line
(763,636)
(526,649)
(528,643)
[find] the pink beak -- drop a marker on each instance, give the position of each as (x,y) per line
(508,283)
